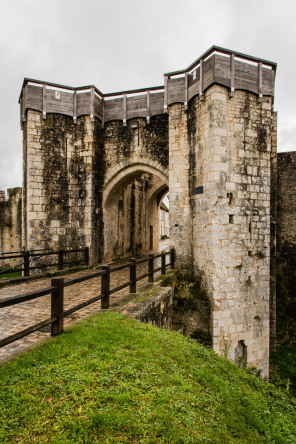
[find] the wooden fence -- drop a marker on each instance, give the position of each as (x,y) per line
(29,256)
(56,290)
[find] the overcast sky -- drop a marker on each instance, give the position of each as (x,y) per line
(119,45)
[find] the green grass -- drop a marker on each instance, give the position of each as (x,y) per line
(283,367)
(9,275)
(113,380)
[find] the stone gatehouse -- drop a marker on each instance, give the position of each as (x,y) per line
(97,165)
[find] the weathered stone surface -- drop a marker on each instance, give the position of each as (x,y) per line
(11,221)
(286,233)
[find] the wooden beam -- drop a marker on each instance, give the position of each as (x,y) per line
(92,101)
(201,95)
(186,91)
(124,109)
(260,82)
(75,107)
(148,107)
(103,112)
(231,93)
(44,102)
(166,94)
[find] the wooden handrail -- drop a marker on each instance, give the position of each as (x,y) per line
(28,255)
(57,293)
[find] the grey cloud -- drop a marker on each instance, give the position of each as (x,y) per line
(124,45)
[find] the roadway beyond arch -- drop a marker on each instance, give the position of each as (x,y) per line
(130,209)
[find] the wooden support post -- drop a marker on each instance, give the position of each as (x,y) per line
(61,259)
(23,105)
(186,91)
(57,306)
(148,107)
(172,258)
(105,287)
(163,256)
(103,112)
(165,105)
(231,92)
(44,102)
(26,263)
(124,110)
(201,94)
(133,275)
(260,82)
(86,255)
(151,268)
(92,104)
(75,107)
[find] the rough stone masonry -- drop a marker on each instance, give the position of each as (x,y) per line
(97,165)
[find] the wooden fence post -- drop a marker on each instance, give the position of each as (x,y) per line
(105,287)
(133,275)
(61,260)
(172,258)
(86,255)
(151,268)
(163,262)
(57,306)
(26,263)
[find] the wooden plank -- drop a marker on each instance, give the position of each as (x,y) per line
(138,102)
(83,103)
(75,107)
(44,102)
(63,105)
(92,96)
(193,90)
(165,105)
(137,113)
(176,90)
(148,107)
(124,110)
(231,76)
(208,71)
(186,91)
(201,95)
(98,107)
(156,104)
(260,82)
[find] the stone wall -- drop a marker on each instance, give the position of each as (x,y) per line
(11,221)
(286,233)
(61,207)
(220,212)
(85,185)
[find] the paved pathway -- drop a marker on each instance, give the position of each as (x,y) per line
(21,316)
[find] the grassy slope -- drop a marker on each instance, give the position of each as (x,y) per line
(110,380)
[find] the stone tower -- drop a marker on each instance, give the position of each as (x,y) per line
(96,166)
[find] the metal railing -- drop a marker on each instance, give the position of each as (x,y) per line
(56,290)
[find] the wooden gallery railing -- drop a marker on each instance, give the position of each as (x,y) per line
(57,286)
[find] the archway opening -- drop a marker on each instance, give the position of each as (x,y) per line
(164,228)
(131,212)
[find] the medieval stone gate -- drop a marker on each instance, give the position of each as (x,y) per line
(96,166)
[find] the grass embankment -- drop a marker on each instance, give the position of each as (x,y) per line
(12,275)
(283,367)
(110,380)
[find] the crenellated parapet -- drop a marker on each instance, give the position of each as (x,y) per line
(220,66)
